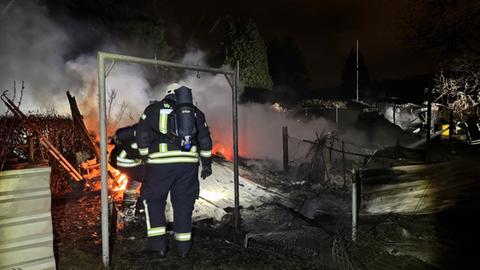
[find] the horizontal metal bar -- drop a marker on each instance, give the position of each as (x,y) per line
(139,60)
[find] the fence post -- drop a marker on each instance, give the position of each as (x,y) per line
(285,148)
(451,126)
(355,182)
(429,114)
(344,166)
(336,114)
(394,113)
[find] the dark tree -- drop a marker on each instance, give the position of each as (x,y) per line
(286,64)
(136,24)
(139,23)
(148,35)
(287,69)
(448,26)
(243,42)
(349,74)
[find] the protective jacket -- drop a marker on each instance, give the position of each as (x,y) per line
(171,170)
(158,143)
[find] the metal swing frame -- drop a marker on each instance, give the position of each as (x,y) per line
(102,59)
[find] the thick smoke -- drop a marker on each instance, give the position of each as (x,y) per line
(260,126)
(33,48)
(127,81)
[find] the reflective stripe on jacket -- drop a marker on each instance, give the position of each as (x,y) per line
(155,133)
(164,156)
(124,160)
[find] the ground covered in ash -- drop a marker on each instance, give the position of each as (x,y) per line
(214,248)
(313,236)
(77,231)
(308,227)
(76,221)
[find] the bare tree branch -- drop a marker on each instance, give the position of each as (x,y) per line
(459,88)
(111,100)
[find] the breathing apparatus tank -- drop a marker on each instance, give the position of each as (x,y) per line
(185,117)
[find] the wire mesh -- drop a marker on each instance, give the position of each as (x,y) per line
(327,160)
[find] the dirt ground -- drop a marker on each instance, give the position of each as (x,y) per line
(214,248)
(77,229)
(314,234)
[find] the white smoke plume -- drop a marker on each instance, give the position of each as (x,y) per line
(33,49)
(129,83)
(260,126)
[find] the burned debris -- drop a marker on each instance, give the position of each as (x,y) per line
(304,210)
(297,170)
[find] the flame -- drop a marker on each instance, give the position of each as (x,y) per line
(222,151)
(119,184)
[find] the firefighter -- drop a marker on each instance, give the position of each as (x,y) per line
(126,159)
(172,135)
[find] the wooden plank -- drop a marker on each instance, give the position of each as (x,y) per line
(78,122)
(43,140)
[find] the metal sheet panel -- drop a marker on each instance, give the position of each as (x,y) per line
(26,238)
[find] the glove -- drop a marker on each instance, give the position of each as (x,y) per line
(114,140)
(206,171)
(206,167)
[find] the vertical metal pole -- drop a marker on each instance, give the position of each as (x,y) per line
(285,148)
(336,114)
(344,166)
(357,71)
(429,115)
(451,126)
(103,157)
(354,205)
(394,112)
(235,147)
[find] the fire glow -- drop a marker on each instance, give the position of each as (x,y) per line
(119,183)
(221,151)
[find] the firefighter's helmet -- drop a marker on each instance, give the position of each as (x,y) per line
(170,89)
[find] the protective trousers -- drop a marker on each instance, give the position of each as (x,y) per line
(181,180)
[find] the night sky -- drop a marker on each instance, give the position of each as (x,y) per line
(324,30)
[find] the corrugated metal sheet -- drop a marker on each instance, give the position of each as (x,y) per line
(421,189)
(26,238)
